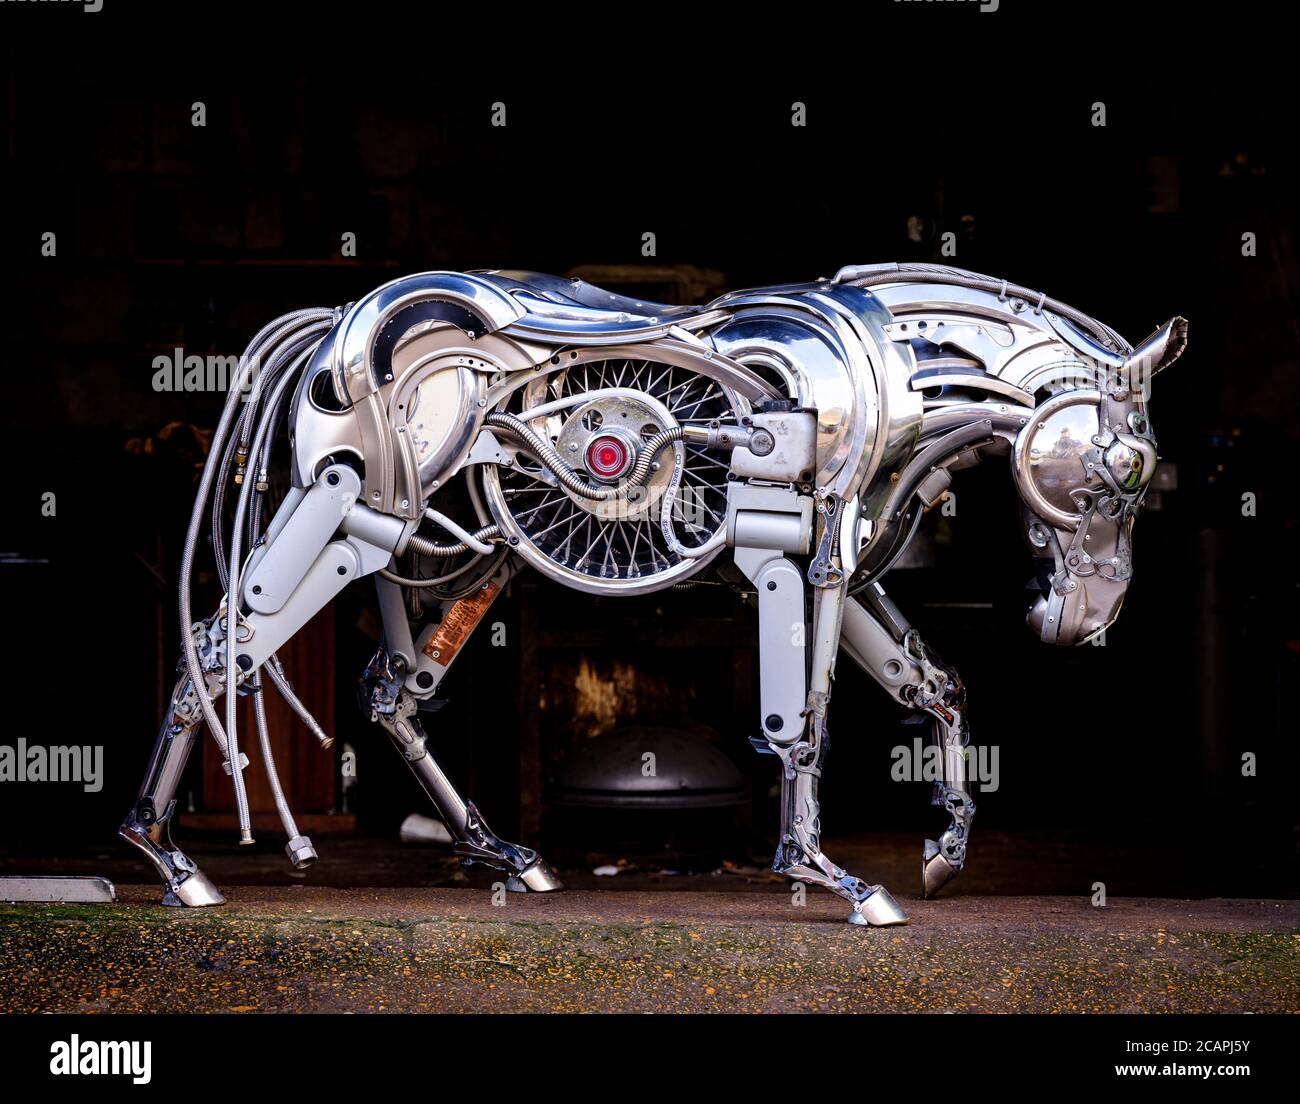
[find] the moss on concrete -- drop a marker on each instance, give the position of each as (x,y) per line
(282,958)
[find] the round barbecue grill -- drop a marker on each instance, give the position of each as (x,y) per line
(615,771)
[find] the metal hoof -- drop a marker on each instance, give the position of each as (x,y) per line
(195,892)
(936,870)
(538,878)
(880,910)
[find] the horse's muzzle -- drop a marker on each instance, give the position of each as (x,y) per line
(1080,614)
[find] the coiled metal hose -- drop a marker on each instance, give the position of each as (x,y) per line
(426,547)
(564,474)
(570,479)
(474,568)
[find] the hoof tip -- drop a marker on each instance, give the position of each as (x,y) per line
(538,878)
(936,870)
(879,910)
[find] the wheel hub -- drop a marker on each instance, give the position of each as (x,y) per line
(603,439)
(608,457)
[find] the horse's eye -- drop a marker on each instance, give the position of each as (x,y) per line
(1131,462)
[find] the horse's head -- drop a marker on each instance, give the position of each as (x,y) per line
(1082,466)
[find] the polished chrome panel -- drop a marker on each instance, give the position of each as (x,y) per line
(1049,459)
(349,351)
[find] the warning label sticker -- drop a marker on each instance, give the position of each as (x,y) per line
(458,623)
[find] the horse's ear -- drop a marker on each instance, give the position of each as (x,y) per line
(1161,349)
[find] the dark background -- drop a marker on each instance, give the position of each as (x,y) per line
(171,235)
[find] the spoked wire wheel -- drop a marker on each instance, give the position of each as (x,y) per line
(620,403)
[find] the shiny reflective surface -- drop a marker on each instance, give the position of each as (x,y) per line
(1055,450)
(791,436)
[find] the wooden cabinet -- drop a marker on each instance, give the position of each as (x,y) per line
(307,771)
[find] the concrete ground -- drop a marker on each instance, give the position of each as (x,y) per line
(1039,863)
(310,948)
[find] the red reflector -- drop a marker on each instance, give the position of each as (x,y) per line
(606,456)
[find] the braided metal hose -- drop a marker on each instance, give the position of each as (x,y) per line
(280,358)
(268,759)
(275,672)
(233,603)
(271,335)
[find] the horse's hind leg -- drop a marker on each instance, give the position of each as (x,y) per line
(394,710)
(148,824)
(398,678)
(887,648)
(309,577)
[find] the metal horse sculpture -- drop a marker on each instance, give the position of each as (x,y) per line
(786,439)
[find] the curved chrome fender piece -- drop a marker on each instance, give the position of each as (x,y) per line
(359,351)
(831,344)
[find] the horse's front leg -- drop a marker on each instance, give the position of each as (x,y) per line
(407,671)
(794,707)
(880,640)
(799,855)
